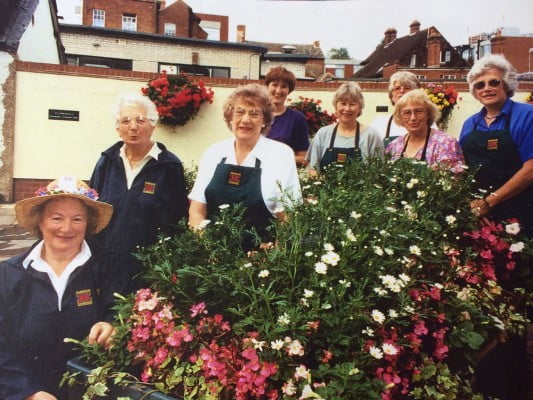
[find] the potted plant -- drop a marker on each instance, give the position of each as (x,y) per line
(376,289)
(177,98)
(312,110)
(446,99)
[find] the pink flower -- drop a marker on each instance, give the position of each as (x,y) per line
(198,309)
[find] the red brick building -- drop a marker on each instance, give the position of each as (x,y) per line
(422,49)
(148,16)
(517,49)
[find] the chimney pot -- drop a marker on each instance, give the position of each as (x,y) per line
(414,27)
(241,33)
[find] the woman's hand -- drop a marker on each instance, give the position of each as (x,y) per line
(101,333)
(197,215)
(41,396)
(479,207)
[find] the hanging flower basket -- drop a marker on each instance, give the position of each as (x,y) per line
(445,99)
(177,98)
(315,116)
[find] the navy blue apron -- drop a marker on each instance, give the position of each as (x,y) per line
(424,150)
(495,154)
(234,184)
(340,155)
(387,139)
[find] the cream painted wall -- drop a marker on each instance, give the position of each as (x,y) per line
(47,149)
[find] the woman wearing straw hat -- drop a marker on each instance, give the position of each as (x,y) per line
(58,289)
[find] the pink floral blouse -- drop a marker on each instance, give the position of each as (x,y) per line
(442,149)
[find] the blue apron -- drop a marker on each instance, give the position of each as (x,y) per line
(340,155)
(495,156)
(234,184)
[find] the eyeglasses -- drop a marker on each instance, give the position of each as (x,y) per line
(406,114)
(493,83)
(139,120)
(404,88)
(253,113)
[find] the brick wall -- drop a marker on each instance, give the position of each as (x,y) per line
(145,10)
(515,49)
(146,54)
(222,19)
(187,23)
(24,188)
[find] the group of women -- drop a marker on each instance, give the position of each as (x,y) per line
(61,287)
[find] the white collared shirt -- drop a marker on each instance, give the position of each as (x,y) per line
(131,173)
(58,282)
(279,177)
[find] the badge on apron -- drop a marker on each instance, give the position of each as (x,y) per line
(149,188)
(492,144)
(84,298)
(234,178)
(341,157)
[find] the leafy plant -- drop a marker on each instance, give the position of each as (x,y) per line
(177,98)
(312,110)
(381,285)
(445,99)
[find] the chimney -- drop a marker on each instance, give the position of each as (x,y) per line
(390,36)
(434,48)
(241,33)
(414,27)
(161,5)
(316,44)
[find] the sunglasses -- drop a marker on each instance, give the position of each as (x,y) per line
(493,83)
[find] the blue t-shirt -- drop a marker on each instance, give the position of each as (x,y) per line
(290,128)
(521,126)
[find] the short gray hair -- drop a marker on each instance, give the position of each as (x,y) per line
(405,79)
(349,91)
(124,100)
(494,61)
(417,96)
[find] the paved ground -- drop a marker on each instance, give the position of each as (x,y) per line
(13,239)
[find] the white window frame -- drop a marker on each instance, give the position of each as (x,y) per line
(170,29)
(99,18)
(129,22)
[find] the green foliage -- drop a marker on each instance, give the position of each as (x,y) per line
(375,256)
(339,54)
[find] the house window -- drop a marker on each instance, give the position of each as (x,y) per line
(170,29)
(99,62)
(199,70)
(129,22)
(99,18)
(413,61)
(421,77)
(448,77)
(446,56)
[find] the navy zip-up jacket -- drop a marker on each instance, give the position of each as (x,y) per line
(156,202)
(33,355)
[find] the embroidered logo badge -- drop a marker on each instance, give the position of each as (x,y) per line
(149,188)
(492,144)
(234,178)
(84,297)
(341,157)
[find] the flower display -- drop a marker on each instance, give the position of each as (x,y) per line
(177,98)
(323,314)
(445,99)
(529,98)
(312,110)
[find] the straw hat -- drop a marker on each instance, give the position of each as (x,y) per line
(67,186)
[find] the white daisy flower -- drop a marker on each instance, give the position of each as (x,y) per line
(376,353)
(321,268)
(277,344)
(378,316)
(389,349)
(264,273)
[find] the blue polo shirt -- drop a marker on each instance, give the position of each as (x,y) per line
(521,126)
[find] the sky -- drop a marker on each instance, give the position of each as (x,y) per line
(359,25)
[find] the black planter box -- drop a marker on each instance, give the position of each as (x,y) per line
(134,392)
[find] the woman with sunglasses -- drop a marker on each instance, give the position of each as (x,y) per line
(416,113)
(498,143)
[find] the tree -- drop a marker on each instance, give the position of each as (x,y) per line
(339,54)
